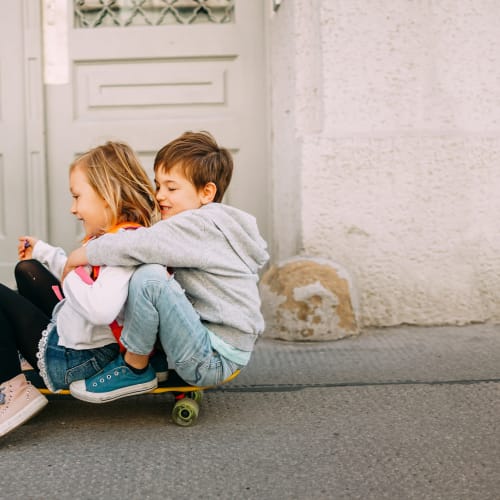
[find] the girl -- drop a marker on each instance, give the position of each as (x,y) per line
(111,192)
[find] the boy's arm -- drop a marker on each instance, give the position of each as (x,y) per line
(175,243)
(80,257)
(76,258)
(124,248)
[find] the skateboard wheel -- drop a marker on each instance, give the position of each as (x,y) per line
(196,396)
(185,412)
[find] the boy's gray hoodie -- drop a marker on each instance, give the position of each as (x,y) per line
(215,251)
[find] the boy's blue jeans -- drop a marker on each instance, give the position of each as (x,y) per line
(157,306)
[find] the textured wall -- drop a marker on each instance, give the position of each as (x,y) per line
(398,124)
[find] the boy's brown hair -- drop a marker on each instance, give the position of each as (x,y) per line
(200,158)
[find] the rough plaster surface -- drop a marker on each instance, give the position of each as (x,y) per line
(309,299)
(417,237)
(400,183)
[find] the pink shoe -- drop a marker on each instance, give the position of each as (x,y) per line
(19,401)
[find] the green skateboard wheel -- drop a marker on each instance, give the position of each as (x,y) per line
(196,396)
(185,412)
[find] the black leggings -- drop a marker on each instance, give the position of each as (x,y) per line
(24,315)
(34,282)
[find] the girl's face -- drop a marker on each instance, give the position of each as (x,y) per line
(87,205)
(175,193)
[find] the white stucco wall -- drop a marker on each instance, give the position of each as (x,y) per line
(391,150)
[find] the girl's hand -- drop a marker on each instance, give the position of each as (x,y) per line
(25,247)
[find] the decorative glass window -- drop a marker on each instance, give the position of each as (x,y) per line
(106,13)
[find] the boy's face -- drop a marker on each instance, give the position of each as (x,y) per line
(175,192)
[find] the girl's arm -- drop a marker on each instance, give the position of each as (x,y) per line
(54,258)
(98,301)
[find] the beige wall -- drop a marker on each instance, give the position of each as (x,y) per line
(386,151)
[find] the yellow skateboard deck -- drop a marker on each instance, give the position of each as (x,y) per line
(174,383)
(188,397)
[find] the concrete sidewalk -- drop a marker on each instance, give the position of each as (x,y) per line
(396,413)
(392,355)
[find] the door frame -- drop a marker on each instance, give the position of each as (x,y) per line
(25,177)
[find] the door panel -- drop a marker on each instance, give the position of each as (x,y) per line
(13,195)
(146,85)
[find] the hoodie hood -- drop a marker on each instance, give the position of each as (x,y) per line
(241,231)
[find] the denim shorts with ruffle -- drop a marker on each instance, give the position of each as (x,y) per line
(59,365)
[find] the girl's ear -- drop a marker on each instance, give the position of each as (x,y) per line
(207,193)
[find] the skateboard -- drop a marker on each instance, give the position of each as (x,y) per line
(188,397)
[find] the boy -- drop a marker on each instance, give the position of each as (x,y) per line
(207,313)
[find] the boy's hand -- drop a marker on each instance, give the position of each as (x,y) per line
(25,247)
(76,258)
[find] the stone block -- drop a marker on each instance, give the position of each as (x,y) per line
(308,299)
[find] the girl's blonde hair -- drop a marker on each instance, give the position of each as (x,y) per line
(115,173)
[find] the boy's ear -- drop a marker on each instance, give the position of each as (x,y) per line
(207,193)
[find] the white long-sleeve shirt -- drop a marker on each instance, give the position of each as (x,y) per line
(84,315)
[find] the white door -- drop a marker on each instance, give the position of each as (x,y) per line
(22,163)
(144,72)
